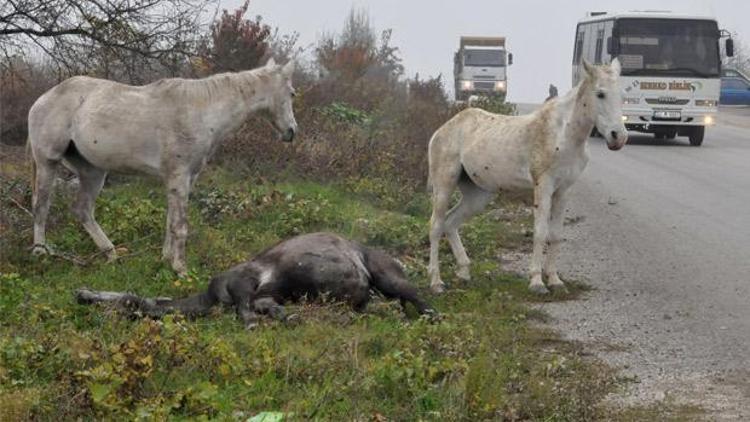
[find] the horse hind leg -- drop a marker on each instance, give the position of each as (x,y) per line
(91,182)
(388,278)
(443,177)
(45,172)
(262,306)
(473,200)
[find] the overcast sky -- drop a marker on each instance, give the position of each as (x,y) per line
(539,32)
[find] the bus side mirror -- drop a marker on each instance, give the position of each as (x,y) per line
(510,59)
(613,47)
(729,47)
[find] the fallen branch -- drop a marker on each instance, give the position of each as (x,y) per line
(18,204)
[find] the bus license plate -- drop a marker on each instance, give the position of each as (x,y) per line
(667,114)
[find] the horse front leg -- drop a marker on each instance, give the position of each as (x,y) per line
(554,239)
(542,204)
(166,250)
(177,202)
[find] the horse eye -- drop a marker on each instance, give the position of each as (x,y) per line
(294,94)
(600,95)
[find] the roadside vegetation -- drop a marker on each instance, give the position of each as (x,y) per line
(482,359)
(358,169)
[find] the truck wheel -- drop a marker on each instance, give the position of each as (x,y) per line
(696,135)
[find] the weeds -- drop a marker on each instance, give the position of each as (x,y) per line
(482,361)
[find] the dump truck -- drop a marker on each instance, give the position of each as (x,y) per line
(480,67)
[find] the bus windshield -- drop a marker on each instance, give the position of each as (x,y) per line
(484,58)
(669,47)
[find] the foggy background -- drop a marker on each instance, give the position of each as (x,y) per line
(539,32)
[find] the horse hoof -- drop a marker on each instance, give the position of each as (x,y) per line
(84,296)
(538,289)
(111,256)
(558,288)
(431,315)
(464,274)
(39,250)
(437,288)
(180,269)
(293,319)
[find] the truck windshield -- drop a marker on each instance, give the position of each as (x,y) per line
(669,47)
(484,58)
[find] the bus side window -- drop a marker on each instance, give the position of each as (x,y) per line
(599,45)
(579,47)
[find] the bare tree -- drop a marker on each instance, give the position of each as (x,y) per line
(71,31)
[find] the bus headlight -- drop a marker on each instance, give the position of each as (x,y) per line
(706,103)
(466,85)
(624,118)
(708,120)
(631,100)
(500,86)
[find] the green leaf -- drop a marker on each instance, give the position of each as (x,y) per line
(269,417)
(99,391)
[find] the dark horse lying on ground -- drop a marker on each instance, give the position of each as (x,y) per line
(304,266)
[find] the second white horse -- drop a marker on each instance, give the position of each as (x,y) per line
(483,153)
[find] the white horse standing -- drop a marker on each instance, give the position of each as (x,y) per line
(167,129)
(483,153)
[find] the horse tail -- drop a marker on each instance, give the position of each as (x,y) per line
(388,278)
(195,305)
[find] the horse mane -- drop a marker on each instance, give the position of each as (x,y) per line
(219,85)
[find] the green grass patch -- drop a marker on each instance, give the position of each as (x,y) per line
(482,360)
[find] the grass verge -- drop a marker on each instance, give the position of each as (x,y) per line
(483,360)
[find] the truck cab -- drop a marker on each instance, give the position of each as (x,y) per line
(480,67)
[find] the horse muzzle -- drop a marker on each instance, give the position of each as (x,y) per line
(616,139)
(288,135)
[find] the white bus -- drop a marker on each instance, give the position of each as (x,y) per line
(670,68)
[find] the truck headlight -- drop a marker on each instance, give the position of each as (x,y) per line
(466,85)
(708,120)
(500,86)
(706,103)
(631,100)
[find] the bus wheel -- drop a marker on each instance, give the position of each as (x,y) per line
(696,135)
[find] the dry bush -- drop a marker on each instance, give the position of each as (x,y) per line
(21,83)
(357,117)
(234,43)
(338,140)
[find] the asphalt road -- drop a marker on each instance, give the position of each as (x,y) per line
(664,238)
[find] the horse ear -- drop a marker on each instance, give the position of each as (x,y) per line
(615,66)
(271,62)
(288,69)
(589,68)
